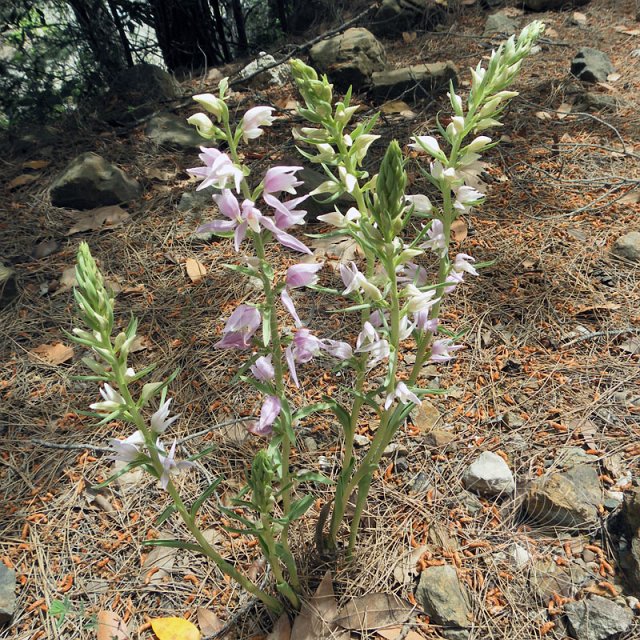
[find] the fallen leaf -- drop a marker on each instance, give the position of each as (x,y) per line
(67,280)
(20,181)
(406,568)
(633,197)
(395,106)
(160,558)
(564,110)
(550,32)
(195,270)
(632,345)
(468,3)
(174,629)
(163,175)
(209,622)
(591,309)
(340,248)
(44,249)
(97,219)
(426,416)
(512,12)
(374,611)
(281,629)
(543,115)
(613,77)
(53,353)
(110,626)
(579,18)
(397,633)
(140,343)
(459,230)
(627,30)
(409,36)
(316,621)
(286,104)
(35,164)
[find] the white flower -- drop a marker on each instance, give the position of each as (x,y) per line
(203,124)
(419,300)
(211,103)
(428,144)
(456,126)
(478,144)
(127,450)
(341,221)
(255,118)
(112,400)
(403,394)
(348,179)
(160,420)
(420,203)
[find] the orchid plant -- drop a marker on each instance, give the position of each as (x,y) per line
(388,288)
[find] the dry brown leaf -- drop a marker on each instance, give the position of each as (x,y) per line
(162,559)
(586,428)
(97,219)
(395,106)
(564,110)
(281,629)
(396,633)
(344,249)
(614,77)
(316,621)
(512,12)
(406,568)
(35,164)
(409,36)
(628,31)
(543,115)
(286,104)
(633,197)
(55,354)
(459,230)
(550,32)
(590,309)
(374,611)
(579,18)
(632,345)
(195,270)
(140,343)
(20,181)
(426,416)
(110,626)
(468,3)
(163,175)
(209,622)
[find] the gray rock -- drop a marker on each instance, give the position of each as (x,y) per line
(136,92)
(546,5)
(420,483)
(500,24)
(455,634)
(567,499)
(591,65)
(395,16)
(90,181)
(548,578)
(7,593)
(310,444)
(349,58)
(443,597)
(628,246)
(172,132)
(197,200)
(415,82)
(275,76)
(438,438)
(597,618)
(568,457)
(470,501)
(593,101)
(512,420)
(489,475)
(361,441)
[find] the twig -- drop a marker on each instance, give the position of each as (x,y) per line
(597,334)
(304,46)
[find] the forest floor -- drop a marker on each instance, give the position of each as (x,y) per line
(552,340)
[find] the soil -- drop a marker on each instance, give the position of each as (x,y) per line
(552,343)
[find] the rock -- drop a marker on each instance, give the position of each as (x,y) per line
(415,82)
(438,438)
(628,246)
(593,101)
(443,597)
(394,449)
(591,65)
(310,444)
(172,132)
(569,457)
(597,618)
(630,513)
(455,634)
(196,200)
(275,76)
(395,16)
(90,182)
(361,441)
(7,593)
(500,24)
(518,556)
(421,483)
(349,58)
(547,5)
(401,465)
(489,475)
(548,578)
(511,420)
(425,416)
(469,501)
(136,92)
(567,499)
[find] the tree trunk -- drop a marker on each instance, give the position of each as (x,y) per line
(281,12)
(186,34)
(217,15)
(238,16)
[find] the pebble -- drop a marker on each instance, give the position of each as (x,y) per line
(360,440)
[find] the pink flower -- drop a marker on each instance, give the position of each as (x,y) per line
(284,238)
(369,341)
(268,414)
(160,420)
(337,349)
(281,179)
(436,242)
(171,466)
(453,279)
(255,118)
(424,322)
(302,275)
(218,171)
(287,302)
(441,350)
(240,327)
(304,348)
(263,368)
(286,214)
(464,262)
(403,394)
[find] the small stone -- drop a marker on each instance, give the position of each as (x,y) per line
(500,24)
(489,475)
(443,597)
(632,602)
(7,593)
(469,501)
(360,440)
(613,499)
(597,618)
(548,578)
(570,457)
(628,246)
(455,634)
(439,438)
(512,420)
(425,416)
(589,556)
(197,200)
(519,556)
(310,444)
(591,65)
(274,76)
(420,483)
(395,449)
(401,465)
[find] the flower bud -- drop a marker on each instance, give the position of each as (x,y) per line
(212,104)
(392,181)
(478,144)
(203,125)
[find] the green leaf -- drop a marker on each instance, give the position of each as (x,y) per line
(340,412)
(165,515)
(204,496)
(121,472)
(175,544)
(313,476)
(300,507)
(247,271)
(311,409)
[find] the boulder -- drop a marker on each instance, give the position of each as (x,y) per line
(569,499)
(628,246)
(272,77)
(499,24)
(547,578)
(489,475)
(395,16)
(415,82)
(597,618)
(550,5)
(136,92)
(591,65)
(7,593)
(443,597)
(350,58)
(171,132)
(90,181)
